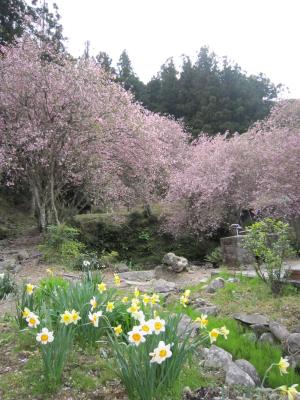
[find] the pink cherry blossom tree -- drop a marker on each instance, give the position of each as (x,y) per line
(71,134)
(257,170)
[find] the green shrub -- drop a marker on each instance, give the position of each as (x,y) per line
(215,257)
(90,257)
(61,244)
(269,242)
(7,285)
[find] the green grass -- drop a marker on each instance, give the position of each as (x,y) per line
(261,355)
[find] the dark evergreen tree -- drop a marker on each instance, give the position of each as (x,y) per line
(211,96)
(36,19)
(105,62)
(128,78)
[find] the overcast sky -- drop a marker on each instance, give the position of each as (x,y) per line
(260,35)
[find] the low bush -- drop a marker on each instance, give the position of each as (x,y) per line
(7,285)
(61,244)
(269,242)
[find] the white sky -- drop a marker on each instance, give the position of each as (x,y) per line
(260,35)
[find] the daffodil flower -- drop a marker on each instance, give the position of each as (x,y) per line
(101,287)
(125,300)
(224,332)
(161,353)
(29,288)
(138,315)
(66,318)
(94,318)
(291,391)
(118,330)
(25,312)
(75,317)
(213,335)
(32,320)
(146,327)
(184,301)
(202,320)
(110,306)
(146,299)
(158,325)
(136,336)
(154,299)
(45,336)
(136,292)
(93,302)
(117,280)
(283,365)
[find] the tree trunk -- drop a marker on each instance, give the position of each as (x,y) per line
(41,209)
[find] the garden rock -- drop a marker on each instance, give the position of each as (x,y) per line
(267,338)
(162,286)
(252,319)
(233,280)
(214,285)
(236,376)
(161,272)
(279,331)
(247,367)
(293,344)
(217,358)
(122,267)
(208,310)
(259,329)
(296,329)
(176,264)
(137,276)
(187,324)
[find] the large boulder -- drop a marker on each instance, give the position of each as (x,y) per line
(247,367)
(279,331)
(186,324)
(217,358)
(236,376)
(267,338)
(215,284)
(175,263)
(162,286)
(252,319)
(292,344)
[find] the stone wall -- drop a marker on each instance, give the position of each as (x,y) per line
(234,255)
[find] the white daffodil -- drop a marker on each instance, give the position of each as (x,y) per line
(138,315)
(146,327)
(136,336)
(158,325)
(93,302)
(161,353)
(86,263)
(94,318)
(32,320)
(45,336)
(66,318)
